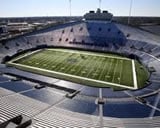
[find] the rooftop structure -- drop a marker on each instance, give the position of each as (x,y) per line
(98,15)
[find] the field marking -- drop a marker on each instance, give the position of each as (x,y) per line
(119,85)
(121,71)
(82,66)
(74,76)
(67,68)
(114,70)
(83,52)
(95,65)
(27,54)
(111,64)
(134,75)
(63,58)
(103,69)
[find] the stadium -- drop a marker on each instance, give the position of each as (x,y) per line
(92,72)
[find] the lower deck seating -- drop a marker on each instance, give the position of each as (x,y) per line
(17,104)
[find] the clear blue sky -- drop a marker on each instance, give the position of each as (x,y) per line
(21,8)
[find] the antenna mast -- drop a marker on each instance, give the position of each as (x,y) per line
(70,7)
(130,11)
(100,4)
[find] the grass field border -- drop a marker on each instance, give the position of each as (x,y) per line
(77,79)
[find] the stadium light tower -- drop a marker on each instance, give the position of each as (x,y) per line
(70,2)
(100,1)
(130,11)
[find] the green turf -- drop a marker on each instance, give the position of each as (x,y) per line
(142,74)
(94,66)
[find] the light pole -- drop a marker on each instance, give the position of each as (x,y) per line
(130,11)
(70,7)
(100,4)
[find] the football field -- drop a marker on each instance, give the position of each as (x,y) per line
(88,68)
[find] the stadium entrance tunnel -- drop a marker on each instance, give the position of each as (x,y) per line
(91,68)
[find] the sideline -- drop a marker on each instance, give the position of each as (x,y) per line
(134,75)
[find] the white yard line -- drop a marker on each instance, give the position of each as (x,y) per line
(81,68)
(114,70)
(104,66)
(83,52)
(111,61)
(121,72)
(134,75)
(91,70)
(74,76)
